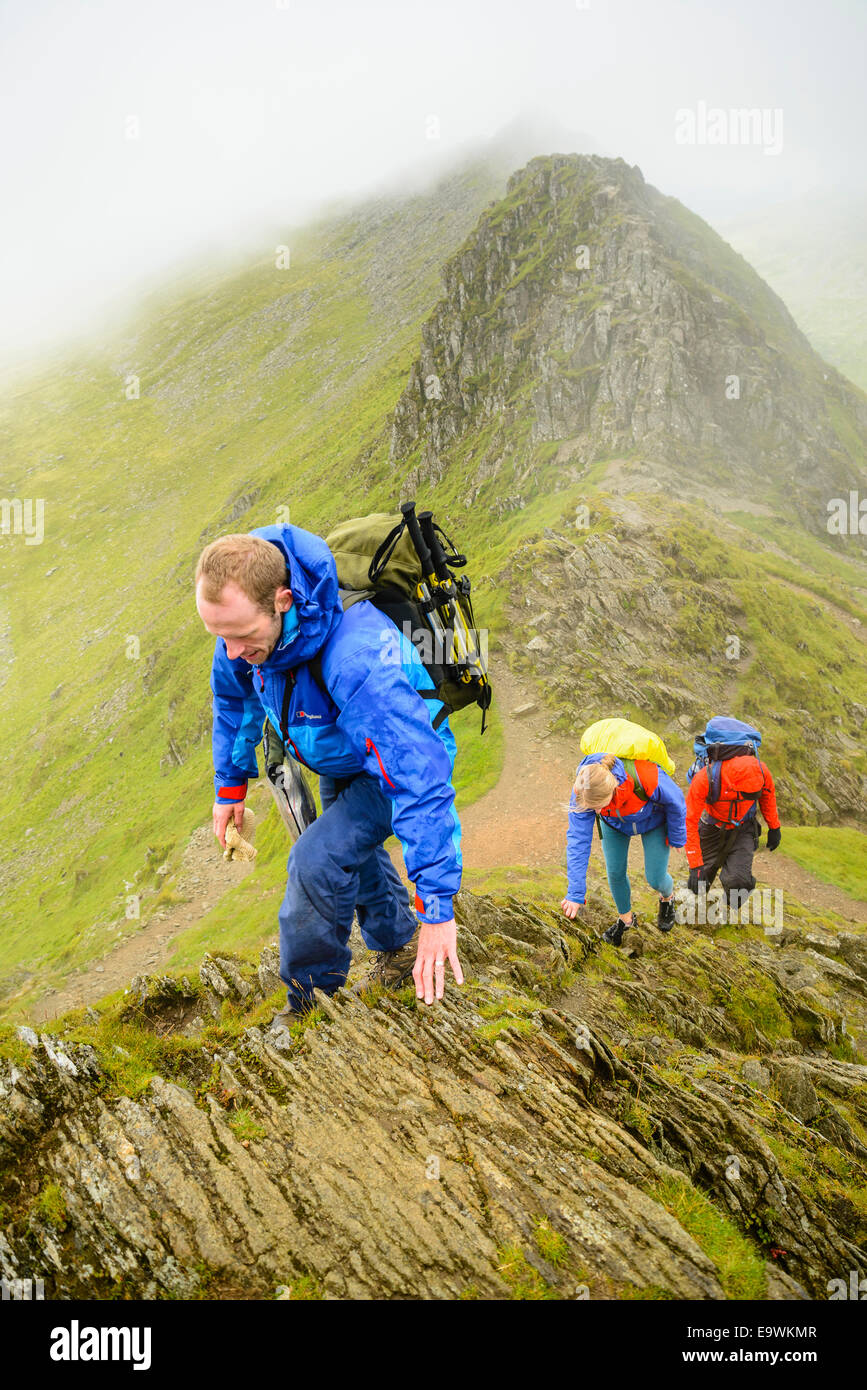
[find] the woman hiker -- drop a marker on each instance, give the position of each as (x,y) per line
(624,798)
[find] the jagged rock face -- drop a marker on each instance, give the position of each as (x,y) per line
(392,1151)
(604,313)
(597,639)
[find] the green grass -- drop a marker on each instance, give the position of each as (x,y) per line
(508,1003)
(132,1052)
(244,1126)
(480,757)
(517,880)
(550,1244)
(50,1204)
(12,1048)
(525,1283)
(739,1266)
(491,1031)
(835,854)
(756,1006)
(826,1174)
(131,1056)
(306,1288)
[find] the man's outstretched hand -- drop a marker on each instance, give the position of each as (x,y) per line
(437,943)
(223,813)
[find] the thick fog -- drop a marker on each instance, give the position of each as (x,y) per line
(140,138)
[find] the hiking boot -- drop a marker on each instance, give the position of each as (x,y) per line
(614,934)
(285,1018)
(392,968)
(665,917)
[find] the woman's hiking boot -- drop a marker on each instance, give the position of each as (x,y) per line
(665,917)
(614,934)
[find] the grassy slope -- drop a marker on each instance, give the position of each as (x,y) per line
(269,385)
(837,855)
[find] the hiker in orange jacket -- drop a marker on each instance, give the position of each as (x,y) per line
(723,833)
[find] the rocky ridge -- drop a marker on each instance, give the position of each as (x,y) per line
(586,306)
(546,1132)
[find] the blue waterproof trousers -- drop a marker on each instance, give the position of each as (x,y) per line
(337,867)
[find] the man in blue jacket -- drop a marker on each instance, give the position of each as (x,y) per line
(271,599)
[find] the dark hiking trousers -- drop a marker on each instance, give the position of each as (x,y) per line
(336,868)
(735,847)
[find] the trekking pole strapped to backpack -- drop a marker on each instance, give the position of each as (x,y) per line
(411,582)
(446,588)
(426,600)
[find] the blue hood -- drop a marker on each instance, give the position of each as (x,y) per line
(313,580)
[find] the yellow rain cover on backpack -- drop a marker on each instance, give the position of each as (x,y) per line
(626,740)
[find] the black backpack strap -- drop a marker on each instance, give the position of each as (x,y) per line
(288,687)
(384,552)
(714,781)
(442,714)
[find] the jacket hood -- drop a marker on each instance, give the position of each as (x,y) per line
(312,577)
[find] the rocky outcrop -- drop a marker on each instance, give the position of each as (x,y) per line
(595,639)
(591,308)
(532,1136)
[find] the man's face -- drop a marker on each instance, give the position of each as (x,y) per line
(246,630)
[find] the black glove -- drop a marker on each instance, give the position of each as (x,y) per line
(693,881)
(774,837)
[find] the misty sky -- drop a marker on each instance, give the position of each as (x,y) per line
(252,112)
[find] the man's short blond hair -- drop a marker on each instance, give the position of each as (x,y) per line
(255,565)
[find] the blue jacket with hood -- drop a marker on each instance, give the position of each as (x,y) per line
(377,723)
(666,806)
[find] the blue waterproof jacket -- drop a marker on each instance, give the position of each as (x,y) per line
(666,806)
(377,723)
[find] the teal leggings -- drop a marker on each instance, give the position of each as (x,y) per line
(615,846)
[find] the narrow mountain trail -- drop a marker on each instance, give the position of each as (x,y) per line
(778,871)
(854,624)
(203,879)
(521,822)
